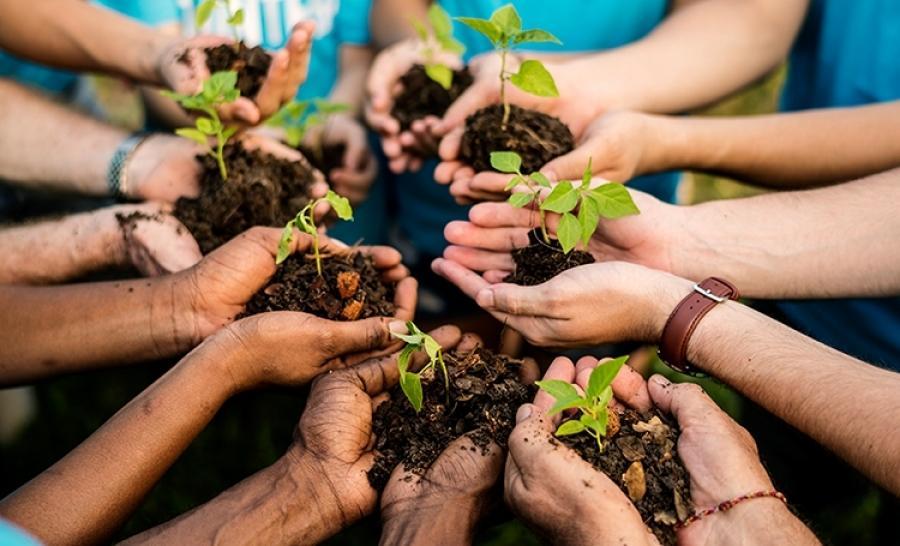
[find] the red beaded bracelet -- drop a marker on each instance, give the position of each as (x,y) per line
(729,504)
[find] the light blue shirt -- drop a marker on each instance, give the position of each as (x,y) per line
(425,207)
(11,535)
(848,54)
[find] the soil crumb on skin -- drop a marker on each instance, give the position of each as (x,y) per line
(251,64)
(538,262)
(485,392)
(421,96)
(536,137)
(261,190)
(642,460)
(331,157)
(350,288)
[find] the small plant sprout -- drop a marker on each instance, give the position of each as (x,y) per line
(217,90)
(299,116)
(610,200)
(594,405)
(305,221)
(205,10)
(411,382)
(504,30)
(440,38)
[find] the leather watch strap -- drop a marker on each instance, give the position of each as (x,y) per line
(687,314)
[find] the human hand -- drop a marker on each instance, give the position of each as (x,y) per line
(357,172)
(555,491)
(215,291)
(494,230)
(164,168)
(181,65)
(152,240)
(333,444)
(404,149)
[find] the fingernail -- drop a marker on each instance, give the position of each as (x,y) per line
(398,327)
(524,413)
(660,380)
(485,298)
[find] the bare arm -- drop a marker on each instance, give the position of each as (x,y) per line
(350,87)
(79,36)
(387,28)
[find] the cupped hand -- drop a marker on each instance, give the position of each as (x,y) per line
(155,242)
(181,65)
(494,230)
(558,493)
(402,148)
(164,168)
(334,440)
(353,178)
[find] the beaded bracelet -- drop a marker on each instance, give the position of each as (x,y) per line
(729,504)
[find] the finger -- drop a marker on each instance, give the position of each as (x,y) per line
(384,257)
(448,150)
(299,50)
(469,342)
(462,190)
(443,173)
(583,369)
(473,235)
(530,371)
(477,96)
(271,94)
(560,369)
(686,401)
(491,182)
(405,296)
(242,109)
(517,300)
(467,280)
(341,338)
(479,260)
(398,165)
(381,122)
(492,215)
(571,165)
(415,164)
(356,152)
(495,276)
(631,389)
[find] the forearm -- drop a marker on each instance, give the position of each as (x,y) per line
(351,85)
(52,330)
(277,505)
(430,521)
(758,521)
(88,494)
(77,35)
(54,251)
(45,145)
(781,151)
(701,52)
(823,243)
(387,28)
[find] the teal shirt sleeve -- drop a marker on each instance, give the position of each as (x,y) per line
(11,535)
(149,12)
(352,22)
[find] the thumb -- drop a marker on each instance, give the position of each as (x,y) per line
(355,152)
(685,401)
(358,336)
(528,440)
(477,96)
(513,299)
(569,166)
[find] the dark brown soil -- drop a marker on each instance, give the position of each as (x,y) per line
(350,288)
(650,449)
(251,64)
(261,190)
(485,392)
(330,157)
(540,262)
(535,136)
(421,96)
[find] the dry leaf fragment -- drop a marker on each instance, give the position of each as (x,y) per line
(632,448)
(635,481)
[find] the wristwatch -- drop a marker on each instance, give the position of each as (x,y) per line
(116,173)
(687,314)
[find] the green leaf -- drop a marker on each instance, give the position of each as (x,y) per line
(564,405)
(205,126)
(440,20)
(506,162)
(513,182)
(534,36)
(451,45)
(411,384)
(328,108)
(587,175)
(520,200)
(570,427)
(613,201)
(488,28)
(540,179)
(193,134)
(562,199)
(568,232)
(603,376)
(533,78)
(411,326)
(341,205)
(221,81)
(204,11)
(602,401)
(284,245)
(236,18)
(588,218)
(507,20)
(598,425)
(404,357)
(558,389)
(177,97)
(229,132)
(293,136)
(231,95)
(420,29)
(432,347)
(440,74)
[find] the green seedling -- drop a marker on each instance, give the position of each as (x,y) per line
(440,38)
(305,221)
(219,89)
(608,201)
(594,405)
(205,10)
(504,30)
(411,382)
(299,116)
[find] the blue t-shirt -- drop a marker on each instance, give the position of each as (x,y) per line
(848,54)
(425,207)
(10,535)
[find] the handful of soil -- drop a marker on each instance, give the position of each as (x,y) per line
(261,190)
(350,288)
(250,63)
(421,96)
(485,392)
(331,156)
(640,457)
(539,262)
(535,136)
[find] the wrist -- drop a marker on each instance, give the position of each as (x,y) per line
(429,520)
(747,520)
(99,240)
(661,294)
(174,317)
